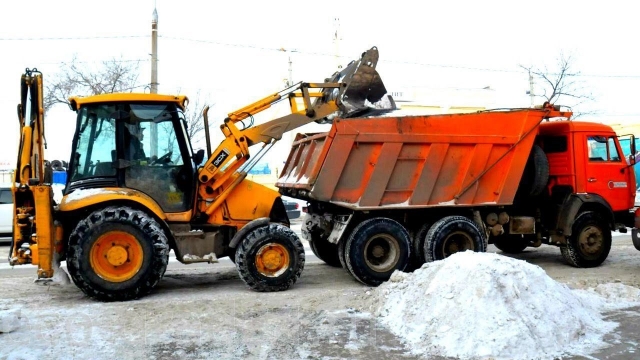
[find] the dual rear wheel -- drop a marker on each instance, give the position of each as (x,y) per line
(377,247)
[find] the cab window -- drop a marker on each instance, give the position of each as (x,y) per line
(602,148)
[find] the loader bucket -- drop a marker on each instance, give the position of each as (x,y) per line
(363,90)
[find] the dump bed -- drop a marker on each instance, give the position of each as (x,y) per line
(415,161)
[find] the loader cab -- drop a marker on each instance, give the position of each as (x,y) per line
(141,145)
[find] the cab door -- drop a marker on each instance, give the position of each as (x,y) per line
(607,173)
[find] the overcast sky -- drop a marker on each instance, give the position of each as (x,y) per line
(227,50)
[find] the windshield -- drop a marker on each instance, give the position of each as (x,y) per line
(100,125)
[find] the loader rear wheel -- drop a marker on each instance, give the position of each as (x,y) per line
(376,248)
(453,234)
(270,258)
(590,241)
(117,254)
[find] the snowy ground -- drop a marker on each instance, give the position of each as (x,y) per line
(206,311)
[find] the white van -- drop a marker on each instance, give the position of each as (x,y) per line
(6,212)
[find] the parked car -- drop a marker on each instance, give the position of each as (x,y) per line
(294,207)
(6,213)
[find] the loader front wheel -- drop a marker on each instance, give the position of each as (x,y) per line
(376,248)
(117,254)
(270,258)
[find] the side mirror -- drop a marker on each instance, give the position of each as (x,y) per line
(198,157)
(622,139)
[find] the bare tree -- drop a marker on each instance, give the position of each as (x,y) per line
(77,78)
(561,84)
(195,121)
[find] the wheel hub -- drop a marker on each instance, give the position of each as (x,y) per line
(381,253)
(272,260)
(116,256)
(456,242)
(377,251)
(591,240)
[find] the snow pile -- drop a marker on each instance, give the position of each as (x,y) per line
(486,305)
(614,295)
(9,320)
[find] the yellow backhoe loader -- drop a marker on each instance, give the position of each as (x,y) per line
(135,190)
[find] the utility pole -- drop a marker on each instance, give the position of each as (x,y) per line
(336,41)
(290,80)
(531,94)
(154,76)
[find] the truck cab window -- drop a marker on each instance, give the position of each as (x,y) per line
(613,150)
(602,148)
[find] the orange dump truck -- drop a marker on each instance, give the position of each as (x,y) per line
(391,192)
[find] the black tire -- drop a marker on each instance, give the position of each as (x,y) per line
(325,251)
(376,248)
(341,257)
(590,241)
(452,234)
(263,239)
(419,239)
(321,248)
(106,222)
(511,244)
(232,255)
(536,173)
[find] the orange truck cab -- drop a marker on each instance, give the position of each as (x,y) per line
(587,170)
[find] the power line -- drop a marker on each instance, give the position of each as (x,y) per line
(72,38)
(255,47)
(92,61)
(315,53)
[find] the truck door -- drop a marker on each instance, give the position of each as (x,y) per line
(607,173)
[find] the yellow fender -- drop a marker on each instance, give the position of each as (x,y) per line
(82,198)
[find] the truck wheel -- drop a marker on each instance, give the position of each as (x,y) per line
(590,241)
(376,248)
(270,258)
(536,173)
(321,248)
(341,255)
(325,251)
(418,245)
(450,235)
(117,254)
(511,244)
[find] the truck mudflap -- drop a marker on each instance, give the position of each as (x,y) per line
(635,238)
(340,224)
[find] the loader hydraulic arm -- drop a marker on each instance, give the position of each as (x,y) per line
(237,141)
(34,233)
(352,90)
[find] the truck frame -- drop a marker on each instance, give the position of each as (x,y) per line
(391,192)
